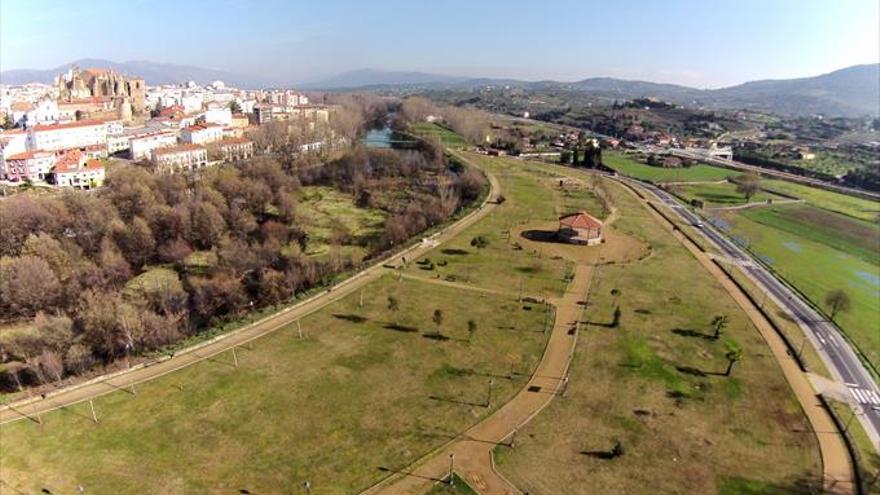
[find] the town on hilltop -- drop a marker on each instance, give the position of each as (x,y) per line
(63,135)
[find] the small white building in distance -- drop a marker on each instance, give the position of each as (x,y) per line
(202,133)
(180,158)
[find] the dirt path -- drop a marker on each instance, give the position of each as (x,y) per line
(757,204)
(33,408)
(473,450)
(836,463)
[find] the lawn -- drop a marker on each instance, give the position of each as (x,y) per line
(358,393)
(447,136)
(860,208)
(817,255)
(459,488)
(626,165)
(651,383)
(723,194)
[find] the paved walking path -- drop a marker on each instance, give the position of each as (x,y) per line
(473,450)
(33,408)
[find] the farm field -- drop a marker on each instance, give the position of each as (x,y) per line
(818,254)
(652,384)
(697,173)
(722,194)
(863,209)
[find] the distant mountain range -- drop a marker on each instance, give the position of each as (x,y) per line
(152,72)
(850,92)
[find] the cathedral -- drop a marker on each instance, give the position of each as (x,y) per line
(126,94)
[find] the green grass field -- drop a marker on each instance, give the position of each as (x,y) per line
(369,388)
(818,254)
(447,136)
(724,194)
(629,167)
(853,206)
(648,384)
(352,397)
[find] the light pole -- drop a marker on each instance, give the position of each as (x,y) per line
(308,487)
(451,469)
(489,394)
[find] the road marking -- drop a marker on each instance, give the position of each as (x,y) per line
(865,396)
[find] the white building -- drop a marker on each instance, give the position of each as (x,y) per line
(202,133)
(142,145)
(236,148)
(73,169)
(67,136)
(180,158)
(192,102)
(45,112)
(221,116)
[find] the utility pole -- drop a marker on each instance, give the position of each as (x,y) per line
(234,357)
(489,393)
(299,329)
(362,298)
(308,486)
(520,289)
(94,415)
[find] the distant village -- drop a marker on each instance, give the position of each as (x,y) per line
(64,135)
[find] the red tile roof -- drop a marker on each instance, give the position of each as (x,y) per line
(67,162)
(201,127)
(79,123)
(580,220)
(27,155)
(178,148)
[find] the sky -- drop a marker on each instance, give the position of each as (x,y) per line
(701,43)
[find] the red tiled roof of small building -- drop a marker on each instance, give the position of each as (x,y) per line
(580,220)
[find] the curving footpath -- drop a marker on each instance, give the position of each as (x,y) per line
(473,450)
(32,408)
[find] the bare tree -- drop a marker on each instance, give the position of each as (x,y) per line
(748,184)
(837,300)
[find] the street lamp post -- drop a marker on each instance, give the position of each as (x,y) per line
(489,393)
(451,469)
(308,487)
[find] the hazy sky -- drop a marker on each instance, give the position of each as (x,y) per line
(705,43)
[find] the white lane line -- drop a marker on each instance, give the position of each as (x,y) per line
(872,395)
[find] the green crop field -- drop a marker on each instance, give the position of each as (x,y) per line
(700,172)
(817,252)
(447,136)
(650,385)
(853,206)
(723,194)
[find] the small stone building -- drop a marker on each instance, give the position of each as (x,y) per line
(580,228)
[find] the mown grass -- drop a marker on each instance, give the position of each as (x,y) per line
(853,206)
(353,396)
(653,384)
(723,194)
(530,196)
(816,259)
(446,136)
(460,487)
(626,165)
